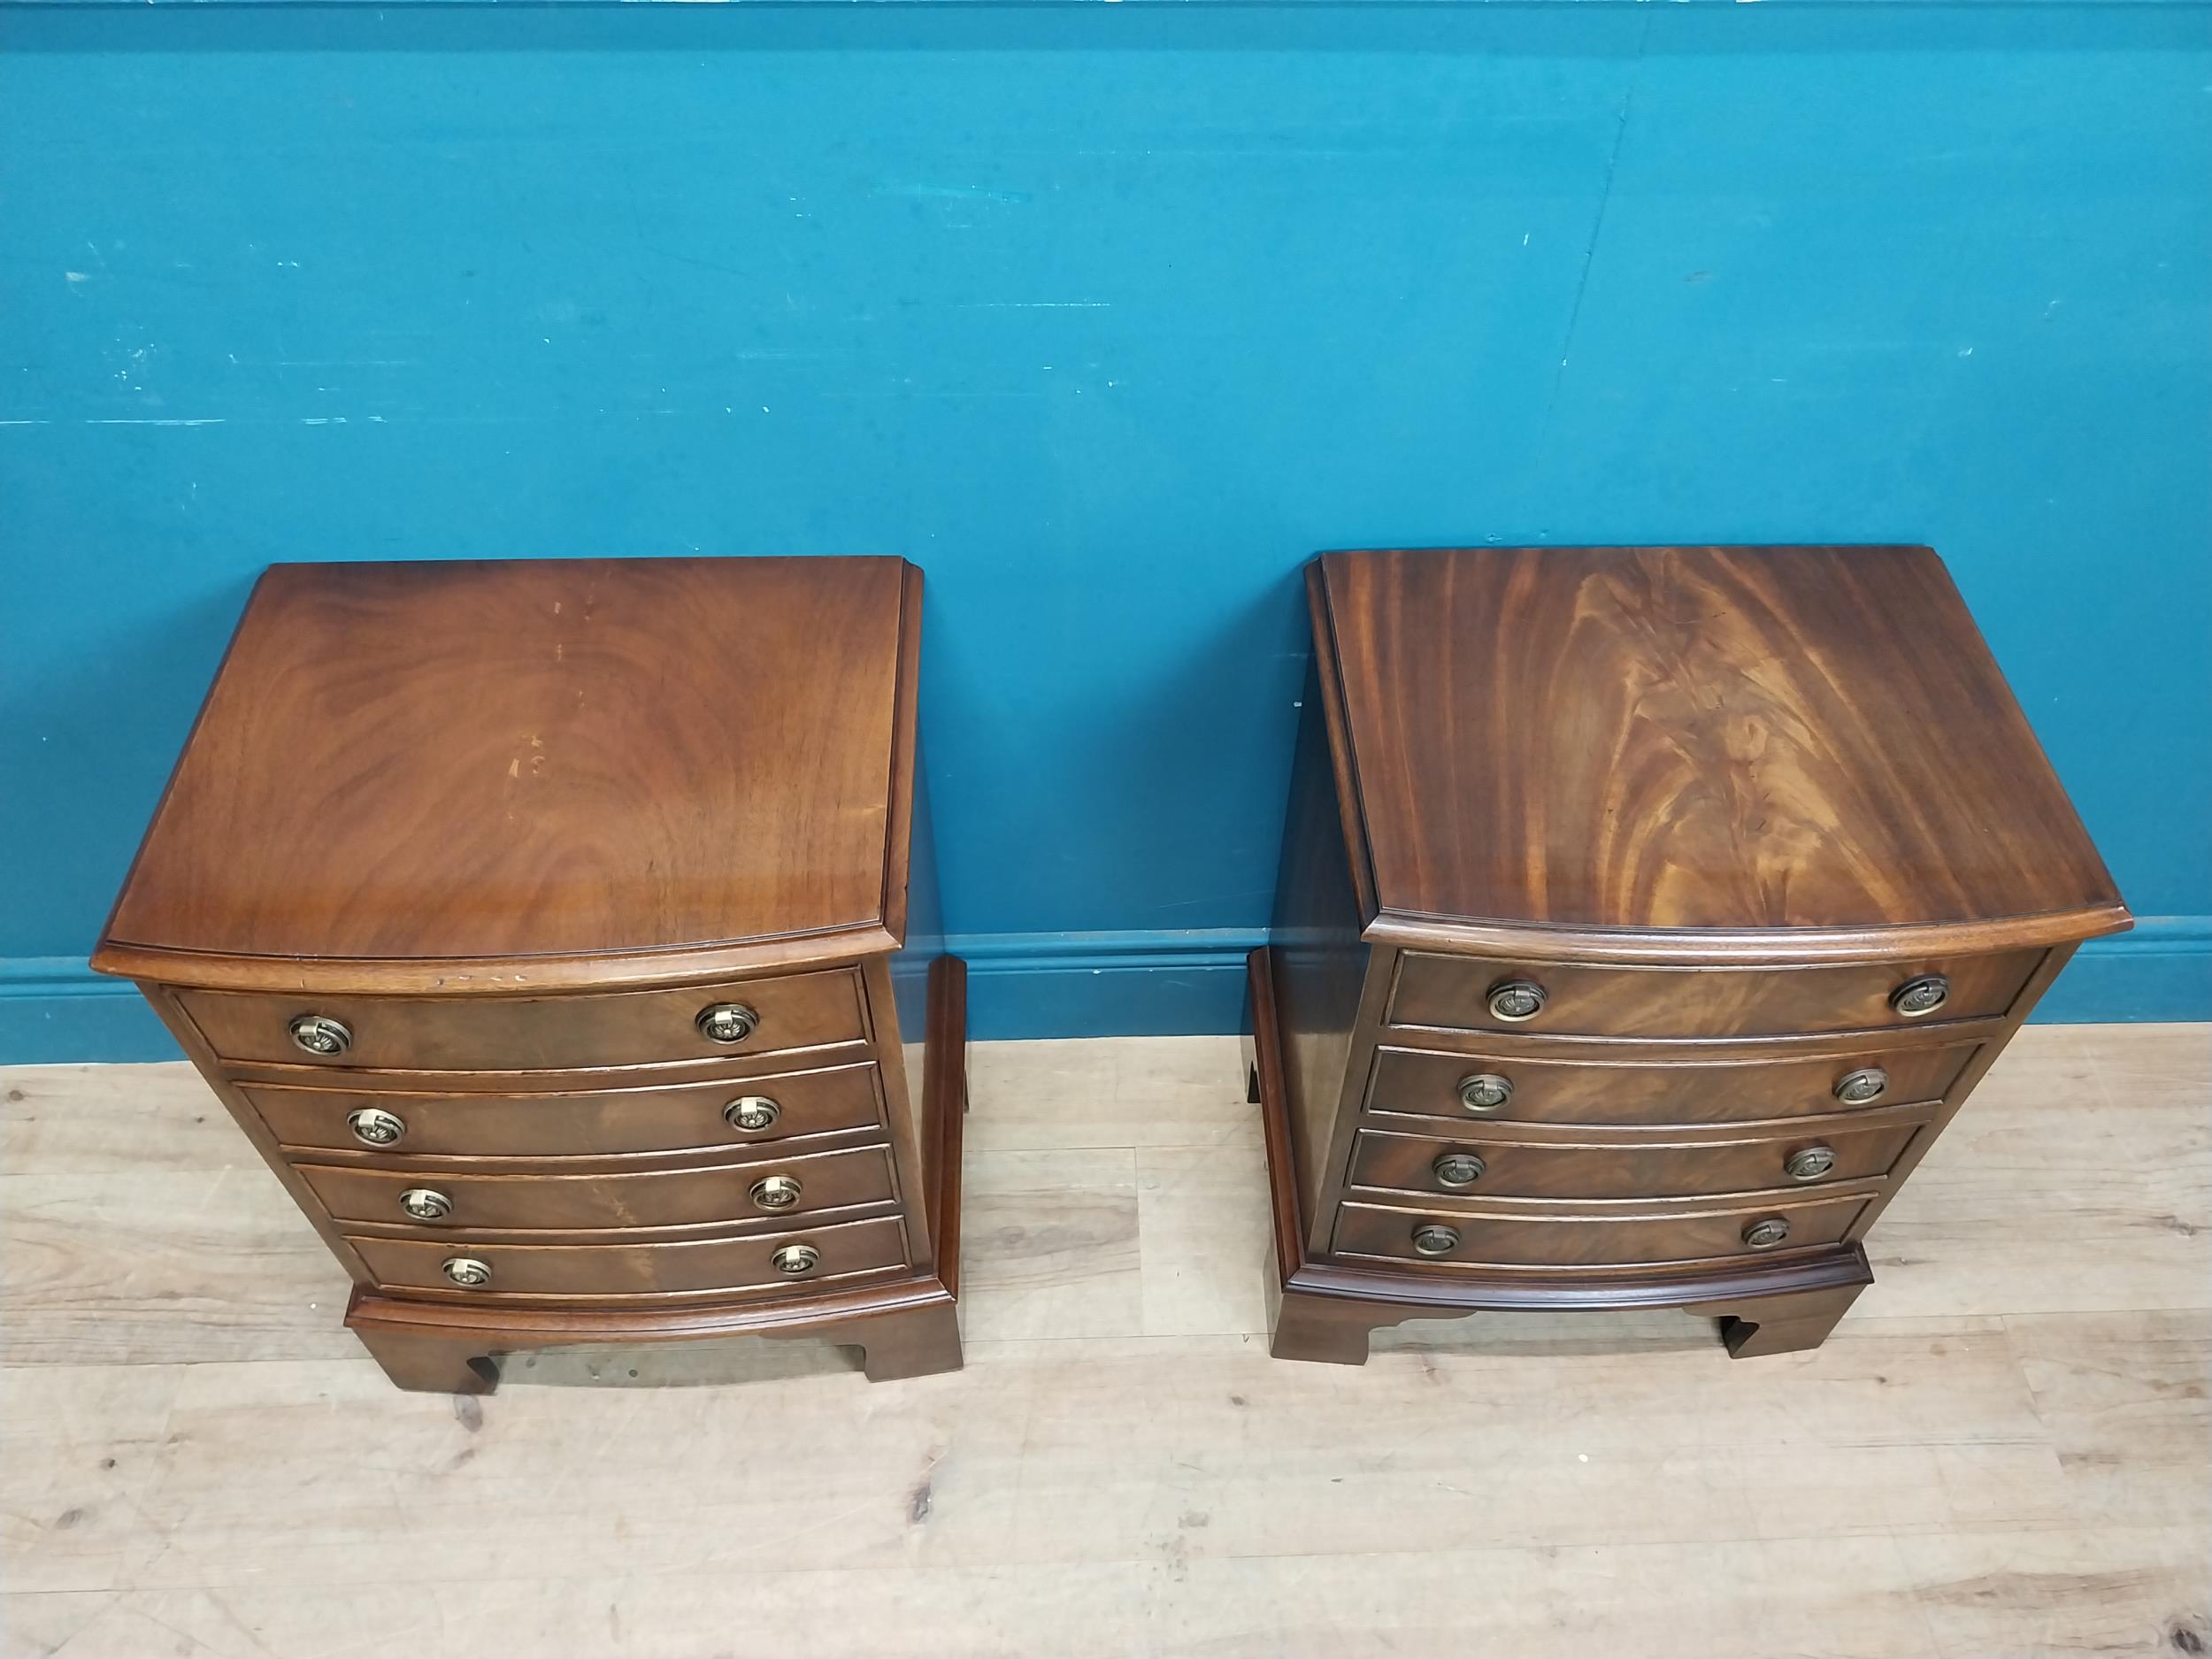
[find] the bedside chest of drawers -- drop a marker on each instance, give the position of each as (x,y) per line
(1645,913)
(563,934)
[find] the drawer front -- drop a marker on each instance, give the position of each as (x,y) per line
(1488,1164)
(532,1033)
(1454,993)
(1593,1240)
(1422,1083)
(615,1271)
(663,1198)
(609,1123)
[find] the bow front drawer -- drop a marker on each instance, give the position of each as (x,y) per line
(509,1033)
(1490,1163)
(1594,1238)
(1502,1086)
(620,1270)
(755,1191)
(1563,998)
(675,1118)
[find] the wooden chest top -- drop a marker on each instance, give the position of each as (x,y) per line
(1676,750)
(494,776)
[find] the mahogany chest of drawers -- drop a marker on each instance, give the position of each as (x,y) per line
(563,934)
(1645,914)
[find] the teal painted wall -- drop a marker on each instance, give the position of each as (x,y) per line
(1106,316)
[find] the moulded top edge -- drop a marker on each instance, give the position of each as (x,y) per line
(1718,947)
(507,976)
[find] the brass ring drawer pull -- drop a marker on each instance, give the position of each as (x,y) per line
(1517,1001)
(467,1271)
(1917,998)
(751,1112)
(727,1022)
(775,1192)
(425,1204)
(794,1261)
(1855,1088)
(1764,1236)
(1485,1092)
(1435,1239)
(319,1035)
(1458,1169)
(373,1127)
(1809,1164)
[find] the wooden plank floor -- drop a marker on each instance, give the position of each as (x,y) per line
(2006,1450)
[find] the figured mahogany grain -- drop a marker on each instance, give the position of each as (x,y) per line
(599,1270)
(515,826)
(464,761)
(904,1318)
(698,1196)
(1654,1168)
(575,1124)
(1551,1239)
(1720,803)
(1689,1090)
(1603,1000)
(796,1010)
(1688,738)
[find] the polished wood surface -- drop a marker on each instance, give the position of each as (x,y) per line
(615,1016)
(1642,1168)
(2004,1449)
(600,1270)
(1780,1324)
(1321,979)
(1692,737)
(702,1194)
(1708,812)
(587,1123)
(1555,1239)
(457,763)
(1606,1001)
(1602,1088)
(903,1320)
(500,1033)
